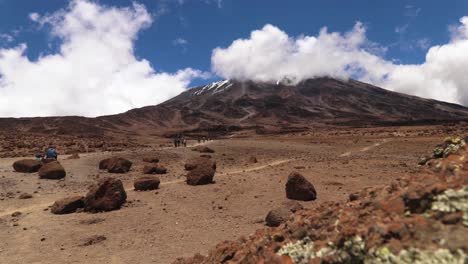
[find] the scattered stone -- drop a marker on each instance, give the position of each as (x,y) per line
(151,159)
(93,240)
(52,170)
(25,196)
(16,214)
(277,216)
(146,183)
(205,156)
(154,169)
(67,205)
(299,188)
(201,175)
(199,161)
(253,159)
(118,165)
(108,194)
(27,165)
(203,149)
(92,221)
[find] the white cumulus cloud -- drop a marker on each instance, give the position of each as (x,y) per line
(95,70)
(270,54)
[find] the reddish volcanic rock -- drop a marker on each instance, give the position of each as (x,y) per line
(108,194)
(27,165)
(118,165)
(299,188)
(68,205)
(201,175)
(154,169)
(146,183)
(52,170)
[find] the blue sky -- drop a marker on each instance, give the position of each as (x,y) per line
(184,33)
(205,25)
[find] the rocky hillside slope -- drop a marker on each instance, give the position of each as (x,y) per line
(416,219)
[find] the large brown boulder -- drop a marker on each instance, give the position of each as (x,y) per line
(27,165)
(146,183)
(151,159)
(67,205)
(199,161)
(299,188)
(277,216)
(203,149)
(154,169)
(103,164)
(200,175)
(52,171)
(118,165)
(108,194)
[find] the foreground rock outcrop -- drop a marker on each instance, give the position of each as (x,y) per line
(27,165)
(107,195)
(419,218)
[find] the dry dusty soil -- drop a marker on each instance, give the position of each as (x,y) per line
(180,220)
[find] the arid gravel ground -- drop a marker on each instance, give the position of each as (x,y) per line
(180,220)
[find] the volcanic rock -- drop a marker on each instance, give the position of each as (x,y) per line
(146,183)
(27,165)
(154,169)
(201,175)
(25,196)
(67,205)
(118,165)
(103,164)
(277,216)
(52,170)
(253,159)
(108,194)
(299,188)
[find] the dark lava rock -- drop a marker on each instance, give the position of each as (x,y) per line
(154,169)
(299,188)
(27,165)
(277,216)
(200,175)
(151,159)
(146,183)
(199,161)
(52,170)
(67,205)
(108,194)
(118,165)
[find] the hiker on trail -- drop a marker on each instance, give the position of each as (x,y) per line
(184,141)
(175,142)
(39,156)
(51,153)
(199,140)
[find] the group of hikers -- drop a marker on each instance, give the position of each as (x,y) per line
(180,142)
(50,153)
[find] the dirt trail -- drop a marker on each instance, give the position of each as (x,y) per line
(365,149)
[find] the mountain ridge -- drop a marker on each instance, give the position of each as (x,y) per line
(243,104)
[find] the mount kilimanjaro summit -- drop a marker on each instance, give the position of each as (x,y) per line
(235,105)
